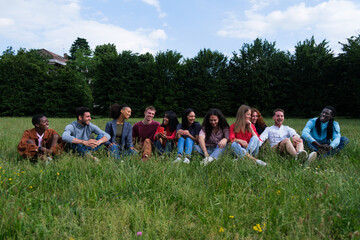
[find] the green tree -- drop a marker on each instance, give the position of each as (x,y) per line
(348,85)
(313,76)
(22,80)
(80,45)
(167,75)
(206,82)
(258,74)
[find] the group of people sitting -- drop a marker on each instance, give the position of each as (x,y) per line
(210,139)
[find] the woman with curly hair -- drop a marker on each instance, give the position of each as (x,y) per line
(258,121)
(165,134)
(243,135)
(213,136)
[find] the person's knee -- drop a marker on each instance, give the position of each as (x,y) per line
(286,141)
(345,140)
(234,145)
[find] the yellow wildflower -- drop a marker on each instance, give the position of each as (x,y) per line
(257,228)
(58,174)
(221,229)
(30,186)
(10,179)
(278,192)
(231,216)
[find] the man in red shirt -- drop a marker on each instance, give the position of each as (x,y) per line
(144,131)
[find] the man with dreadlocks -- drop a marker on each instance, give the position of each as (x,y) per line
(322,134)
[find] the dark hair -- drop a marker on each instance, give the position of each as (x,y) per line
(206,123)
(278,110)
(173,121)
(332,109)
(36,118)
(184,120)
(115,110)
(329,129)
(80,111)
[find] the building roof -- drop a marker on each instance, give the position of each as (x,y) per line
(54,58)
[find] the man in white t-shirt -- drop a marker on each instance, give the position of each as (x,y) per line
(285,139)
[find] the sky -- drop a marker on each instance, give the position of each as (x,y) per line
(184,26)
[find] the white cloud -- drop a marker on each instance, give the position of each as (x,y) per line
(56,24)
(333,20)
(156,4)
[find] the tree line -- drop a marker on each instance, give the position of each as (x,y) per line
(258,74)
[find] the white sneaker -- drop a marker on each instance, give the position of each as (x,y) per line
(261,163)
(310,159)
(186,160)
(301,156)
(207,160)
(178,159)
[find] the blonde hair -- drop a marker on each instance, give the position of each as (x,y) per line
(240,122)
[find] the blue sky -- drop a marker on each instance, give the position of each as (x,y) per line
(185,26)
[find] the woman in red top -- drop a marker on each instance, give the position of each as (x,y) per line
(245,141)
(165,134)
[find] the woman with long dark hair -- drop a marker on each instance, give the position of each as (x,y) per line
(165,134)
(213,136)
(245,140)
(120,131)
(187,133)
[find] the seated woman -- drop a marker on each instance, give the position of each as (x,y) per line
(120,131)
(187,133)
(165,134)
(40,142)
(258,121)
(213,136)
(245,141)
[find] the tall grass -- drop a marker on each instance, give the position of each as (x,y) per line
(75,198)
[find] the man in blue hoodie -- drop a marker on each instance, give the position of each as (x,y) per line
(78,134)
(322,134)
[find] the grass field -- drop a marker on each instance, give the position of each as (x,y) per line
(75,198)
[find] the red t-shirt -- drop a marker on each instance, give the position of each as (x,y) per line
(142,131)
(240,135)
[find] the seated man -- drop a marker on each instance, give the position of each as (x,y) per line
(322,134)
(40,141)
(144,132)
(279,137)
(78,134)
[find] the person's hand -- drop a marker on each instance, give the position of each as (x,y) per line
(243,143)
(91,143)
(186,132)
(296,139)
(324,148)
(248,122)
(222,143)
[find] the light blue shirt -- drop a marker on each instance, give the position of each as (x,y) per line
(310,134)
(82,132)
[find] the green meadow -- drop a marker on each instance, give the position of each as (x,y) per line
(76,198)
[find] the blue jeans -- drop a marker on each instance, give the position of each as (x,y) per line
(214,151)
(117,153)
(188,146)
(82,149)
(252,148)
(164,149)
(343,142)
